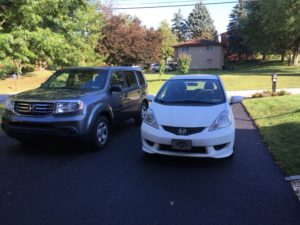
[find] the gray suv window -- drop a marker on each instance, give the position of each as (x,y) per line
(117,79)
(140,78)
(130,79)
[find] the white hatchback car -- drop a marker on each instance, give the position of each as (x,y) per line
(190,116)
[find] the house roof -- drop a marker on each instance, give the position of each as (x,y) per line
(198,43)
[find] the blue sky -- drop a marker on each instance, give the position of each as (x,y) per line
(152,17)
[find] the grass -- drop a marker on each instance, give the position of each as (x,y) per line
(26,82)
(253,75)
(278,120)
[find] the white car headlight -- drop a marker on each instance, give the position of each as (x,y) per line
(150,119)
(67,107)
(9,105)
(223,120)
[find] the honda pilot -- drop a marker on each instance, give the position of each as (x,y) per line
(77,102)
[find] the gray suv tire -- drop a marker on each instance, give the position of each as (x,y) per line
(100,133)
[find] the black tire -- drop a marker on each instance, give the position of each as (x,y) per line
(139,118)
(100,133)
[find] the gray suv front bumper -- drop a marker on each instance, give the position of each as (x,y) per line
(69,125)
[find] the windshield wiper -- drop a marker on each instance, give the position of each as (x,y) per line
(193,101)
(161,101)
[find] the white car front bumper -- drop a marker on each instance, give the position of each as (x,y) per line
(212,144)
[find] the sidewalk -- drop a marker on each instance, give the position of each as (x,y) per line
(249,93)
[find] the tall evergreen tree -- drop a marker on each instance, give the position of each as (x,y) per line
(251,30)
(236,43)
(272,26)
(200,24)
(179,27)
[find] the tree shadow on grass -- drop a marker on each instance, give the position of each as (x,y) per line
(277,115)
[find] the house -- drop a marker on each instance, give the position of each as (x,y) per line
(205,54)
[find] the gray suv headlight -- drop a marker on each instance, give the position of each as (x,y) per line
(9,105)
(68,106)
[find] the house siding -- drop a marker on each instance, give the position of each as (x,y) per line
(203,57)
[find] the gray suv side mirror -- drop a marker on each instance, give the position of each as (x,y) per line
(116,88)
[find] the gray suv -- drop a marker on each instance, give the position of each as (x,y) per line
(77,102)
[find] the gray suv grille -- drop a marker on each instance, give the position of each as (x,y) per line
(34,108)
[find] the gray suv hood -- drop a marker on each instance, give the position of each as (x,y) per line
(42,94)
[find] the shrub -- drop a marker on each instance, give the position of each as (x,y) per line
(184,63)
(28,68)
(270,94)
(7,68)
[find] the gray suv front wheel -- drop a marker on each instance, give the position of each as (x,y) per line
(100,133)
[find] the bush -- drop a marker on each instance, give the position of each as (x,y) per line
(184,63)
(28,68)
(7,68)
(270,94)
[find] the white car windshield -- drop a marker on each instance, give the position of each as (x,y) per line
(195,91)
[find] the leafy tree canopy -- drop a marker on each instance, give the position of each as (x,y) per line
(168,39)
(49,32)
(126,42)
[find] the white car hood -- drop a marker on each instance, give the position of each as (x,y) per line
(186,116)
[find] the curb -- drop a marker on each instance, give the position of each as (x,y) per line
(291,178)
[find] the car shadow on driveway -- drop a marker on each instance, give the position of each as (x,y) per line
(175,161)
(66,147)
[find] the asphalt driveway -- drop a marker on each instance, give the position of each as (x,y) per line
(60,184)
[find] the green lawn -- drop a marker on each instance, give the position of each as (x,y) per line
(235,82)
(253,75)
(246,76)
(278,119)
(250,75)
(27,81)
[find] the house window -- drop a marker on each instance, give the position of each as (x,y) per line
(185,48)
(209,48)
(209,61)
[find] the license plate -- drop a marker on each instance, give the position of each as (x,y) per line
(182,145)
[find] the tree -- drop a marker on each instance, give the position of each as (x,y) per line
(162,68)
(234,32)
(126,42)
(200,24)
(179,28)
(168,39)
(273,26)
(62,34)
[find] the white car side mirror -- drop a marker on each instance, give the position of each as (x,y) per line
(236,99)
(150,98)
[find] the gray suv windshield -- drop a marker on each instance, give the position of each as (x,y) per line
(78,80)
